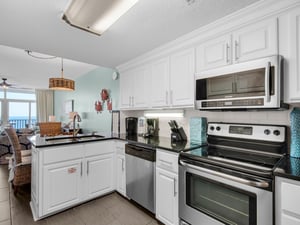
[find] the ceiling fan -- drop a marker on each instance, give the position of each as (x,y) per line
(4,84)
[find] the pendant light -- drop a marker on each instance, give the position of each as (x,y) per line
(61,83)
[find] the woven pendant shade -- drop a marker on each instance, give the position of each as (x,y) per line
(60,83)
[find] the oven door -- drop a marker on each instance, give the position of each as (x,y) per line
(212,198)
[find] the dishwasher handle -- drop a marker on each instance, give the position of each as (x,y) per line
(145,153)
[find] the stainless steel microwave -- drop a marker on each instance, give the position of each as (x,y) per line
(255,84)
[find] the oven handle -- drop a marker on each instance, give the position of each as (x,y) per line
(260,184)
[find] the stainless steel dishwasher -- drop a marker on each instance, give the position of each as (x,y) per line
(140,175)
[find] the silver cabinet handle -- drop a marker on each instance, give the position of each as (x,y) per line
(267,82)
(227,53)
(167,95)
(132,100)
(88,167)
(171,97)
(174,180)
(81,169)
(123,165)
(260,183)
(236,45)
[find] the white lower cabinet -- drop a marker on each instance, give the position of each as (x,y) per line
(120,168)
(99,175)
(121,173)
(167,187)
(287,200)
(62,185)
(68,175)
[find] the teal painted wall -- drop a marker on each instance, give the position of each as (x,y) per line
(87,91)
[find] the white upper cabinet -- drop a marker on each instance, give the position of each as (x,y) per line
(182,69)
(250,42)
(255,41)
(134,86)
(289,47)
(126,89)
(160,83)
(214,53)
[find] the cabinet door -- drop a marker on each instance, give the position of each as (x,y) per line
(255,41)
(182,69)
(214,53)
(166,197)
(292,67)
(141,87)
(287,201)
(160,83)
(126,91)
(34,180)
(100,175)
(62,184)
(121,180)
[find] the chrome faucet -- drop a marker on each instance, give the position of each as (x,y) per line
(78,120)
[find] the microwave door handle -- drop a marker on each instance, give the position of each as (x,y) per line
(267,82)
(260,184)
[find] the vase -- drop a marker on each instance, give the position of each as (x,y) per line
(198,127)
(295,133)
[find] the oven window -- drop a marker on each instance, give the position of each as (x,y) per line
(225,203)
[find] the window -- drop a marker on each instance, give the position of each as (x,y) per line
(18,108)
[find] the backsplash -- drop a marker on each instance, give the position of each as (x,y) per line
(258,117)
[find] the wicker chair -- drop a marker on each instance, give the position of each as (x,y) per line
(20,164)
(50,128)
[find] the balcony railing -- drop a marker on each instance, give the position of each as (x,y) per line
(22,123)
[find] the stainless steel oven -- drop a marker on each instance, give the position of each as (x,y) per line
(230,181)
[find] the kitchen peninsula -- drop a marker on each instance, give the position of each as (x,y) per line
(69,170)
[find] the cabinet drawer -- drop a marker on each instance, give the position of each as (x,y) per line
(167,160)
(60,154)
(120,147)
(290,197)
(99,147)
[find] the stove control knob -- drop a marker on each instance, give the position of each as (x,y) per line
(267,131)
(218,128)
(212,128)
(276,132)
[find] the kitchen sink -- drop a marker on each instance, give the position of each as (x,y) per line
(68,138)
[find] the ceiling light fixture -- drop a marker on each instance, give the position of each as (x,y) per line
(96,16)
(61,83)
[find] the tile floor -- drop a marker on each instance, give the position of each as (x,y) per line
(111,209)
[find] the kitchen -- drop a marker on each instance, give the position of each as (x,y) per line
(274,22)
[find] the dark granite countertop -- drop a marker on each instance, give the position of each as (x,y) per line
(155,142)
(161,142)
(288,167)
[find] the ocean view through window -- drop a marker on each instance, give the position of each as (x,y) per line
(18,108)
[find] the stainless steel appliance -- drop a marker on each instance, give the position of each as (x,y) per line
(131,126)
(255,84)
(230,180)
(152,127)
(140,175)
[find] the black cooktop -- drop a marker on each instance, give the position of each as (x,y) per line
(242,160)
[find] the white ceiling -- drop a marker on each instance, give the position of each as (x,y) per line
(36,25)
